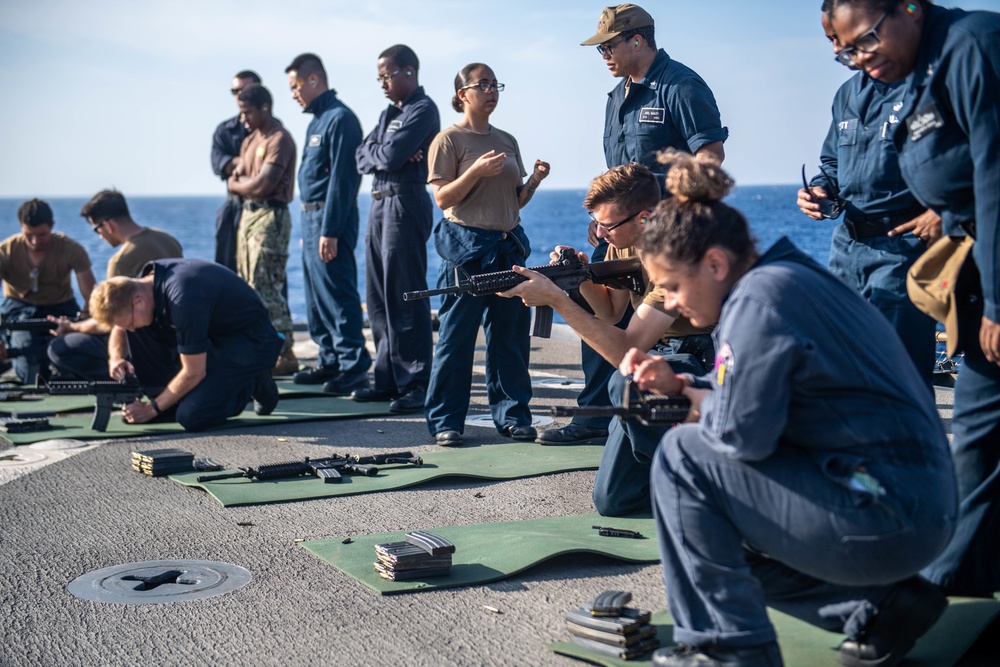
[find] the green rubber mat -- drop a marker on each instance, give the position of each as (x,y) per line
(51,405)
(507,461)
(315,408)
(46,405)
(494,551)
(803,644)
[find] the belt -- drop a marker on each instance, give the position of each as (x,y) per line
(257,204)
(862,225)
(383,191)
(313,205)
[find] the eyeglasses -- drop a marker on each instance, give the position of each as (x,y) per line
(866,43)
(236,91)
(485,86)
(297,85)
(605,49)
(97,227)
(384,78)
(612,227)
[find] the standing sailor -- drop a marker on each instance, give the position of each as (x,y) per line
(398,228)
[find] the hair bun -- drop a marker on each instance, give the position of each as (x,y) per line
(694,177)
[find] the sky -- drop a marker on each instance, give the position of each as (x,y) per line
(127,94)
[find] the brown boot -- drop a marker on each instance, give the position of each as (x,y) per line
(287,363)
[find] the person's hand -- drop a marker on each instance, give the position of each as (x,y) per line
(488,164)
(650,373)
(232,180)
(138,412)
(541,172)
(63,325)
(556,254)
(807,201)
(926,227)
(537,290)
(119,368)
(418,156)
(989,340)
(328,248)
(696,396)
(592,234)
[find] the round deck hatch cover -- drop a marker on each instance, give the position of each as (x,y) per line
(559,383)
(11,458)
(58,443)
(159,581)
(486,421)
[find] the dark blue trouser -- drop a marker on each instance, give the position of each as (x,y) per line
(876,267)
(31,345)
(508,386)
(971,564)
(596,370)
(227,221)
(333,306)
(86,357)
(832,551)
(622,483)
(396,262)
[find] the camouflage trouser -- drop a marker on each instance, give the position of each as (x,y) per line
(261,255)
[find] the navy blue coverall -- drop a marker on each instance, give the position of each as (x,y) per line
(226,142)
(817,446)
(201,307)
(328,187)
(949,143)
(399,225)
(861,165)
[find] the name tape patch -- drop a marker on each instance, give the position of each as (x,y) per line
(924,120)
(394,125)
(315,140)
(652,115)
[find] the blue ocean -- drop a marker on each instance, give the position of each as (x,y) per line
(554,217)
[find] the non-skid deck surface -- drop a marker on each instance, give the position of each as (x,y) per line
(803,644)
(494,551)
(495,462)
(314,408)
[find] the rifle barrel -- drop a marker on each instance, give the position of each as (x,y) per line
(423,294)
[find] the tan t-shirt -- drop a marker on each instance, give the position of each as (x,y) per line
(51,282)
(654,298)
(492,202)
(276,148)
(147,245)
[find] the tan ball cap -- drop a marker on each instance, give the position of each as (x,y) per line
(616,20)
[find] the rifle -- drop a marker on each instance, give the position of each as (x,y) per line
(567,273)
(647,408)
(106,392)
(330,469)
(33,324)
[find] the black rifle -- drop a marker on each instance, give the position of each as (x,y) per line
(106,392)
(329,469)
(647,408)
(32,324)
(567,273)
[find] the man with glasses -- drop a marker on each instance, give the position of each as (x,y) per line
(619,202)
(81,348)
(328,187)
(659,103)
(884,229)
(197,337)
(226,142)
(399,224)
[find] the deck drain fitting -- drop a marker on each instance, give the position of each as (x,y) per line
(559,383)
(159,582)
